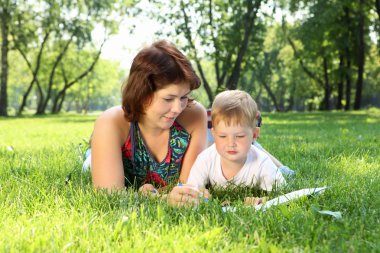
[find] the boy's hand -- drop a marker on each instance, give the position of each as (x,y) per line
(254,201)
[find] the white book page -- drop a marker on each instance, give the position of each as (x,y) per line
(290,196)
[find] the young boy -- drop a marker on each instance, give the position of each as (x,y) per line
(233,159)
(285,170)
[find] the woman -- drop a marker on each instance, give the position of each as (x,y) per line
(155,136)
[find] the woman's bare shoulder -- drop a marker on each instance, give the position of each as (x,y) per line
(194,115)
(113,120)
(112,113)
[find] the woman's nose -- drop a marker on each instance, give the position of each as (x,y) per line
(177,106)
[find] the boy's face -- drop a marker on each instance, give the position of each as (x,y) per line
(233,142)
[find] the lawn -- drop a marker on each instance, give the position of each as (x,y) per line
(48,205)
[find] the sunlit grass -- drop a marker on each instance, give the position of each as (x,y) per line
(51,132)
(41,212)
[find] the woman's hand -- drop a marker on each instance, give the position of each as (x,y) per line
(148,190)
(186,195)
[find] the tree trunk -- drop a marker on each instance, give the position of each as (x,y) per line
(197,61)
(34,72)
(347,107)
(298,57)
(252,10)
(262,78)
(327,104)
(271,95)
(4,61)
(361,56)
(378,26)
(54,107)
(290,101)
(25,97)
(57,104)
(339,104)
(43,105)
(347,72)
(61,102)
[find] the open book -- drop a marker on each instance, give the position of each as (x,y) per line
(283,198)
(289,197)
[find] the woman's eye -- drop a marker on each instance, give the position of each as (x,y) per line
(168,99)
(184,98)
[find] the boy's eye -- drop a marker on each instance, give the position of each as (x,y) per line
(222,136)
(240,136)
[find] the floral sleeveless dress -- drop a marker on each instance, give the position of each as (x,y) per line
(141,168)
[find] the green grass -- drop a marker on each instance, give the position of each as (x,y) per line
(41,213)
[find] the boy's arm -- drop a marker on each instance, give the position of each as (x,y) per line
(270,176)
(274,159)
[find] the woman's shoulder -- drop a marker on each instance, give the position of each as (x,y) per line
(113,115)
(193,116)
(113,119)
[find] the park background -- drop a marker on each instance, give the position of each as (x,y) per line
(60,56)
(313,67)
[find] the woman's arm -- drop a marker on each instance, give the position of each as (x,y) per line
(107,166)
(194,120)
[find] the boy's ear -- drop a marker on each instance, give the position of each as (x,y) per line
(212,132)
(256,133)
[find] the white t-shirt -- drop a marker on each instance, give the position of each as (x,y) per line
(258,170)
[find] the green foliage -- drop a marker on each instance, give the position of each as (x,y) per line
(279,76)
(44,31)
(99,90)
(329,33)
(371,92)
(40,212)
(223,33)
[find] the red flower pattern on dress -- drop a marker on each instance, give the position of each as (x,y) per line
(127,148)
(155,179)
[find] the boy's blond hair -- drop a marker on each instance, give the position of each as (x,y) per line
(234,107)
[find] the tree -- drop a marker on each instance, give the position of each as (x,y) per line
(7,10)
(58,26)
(334,25)
(273,76)
(223,32)
(97,91)
(361,56)
(59,98)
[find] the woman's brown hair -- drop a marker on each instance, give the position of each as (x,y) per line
(152,69)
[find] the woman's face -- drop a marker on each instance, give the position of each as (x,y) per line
(167,103)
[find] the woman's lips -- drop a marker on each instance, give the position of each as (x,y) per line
(169,118)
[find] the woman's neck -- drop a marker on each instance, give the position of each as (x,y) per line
(148,129)
(156,140)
